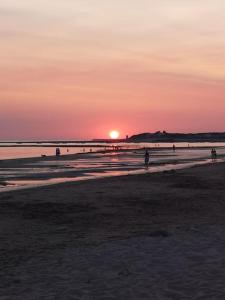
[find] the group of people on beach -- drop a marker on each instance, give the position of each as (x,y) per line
(147,155)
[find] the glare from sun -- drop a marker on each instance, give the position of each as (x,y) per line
(114,134)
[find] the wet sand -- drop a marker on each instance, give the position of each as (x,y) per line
(151,236)
(31,172)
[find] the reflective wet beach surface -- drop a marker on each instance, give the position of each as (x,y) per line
(46,171)
(12,150)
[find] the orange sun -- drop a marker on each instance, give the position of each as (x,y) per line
(114,134)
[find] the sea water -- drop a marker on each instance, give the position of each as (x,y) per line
(11,150)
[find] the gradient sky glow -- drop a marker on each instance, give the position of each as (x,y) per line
(75,69)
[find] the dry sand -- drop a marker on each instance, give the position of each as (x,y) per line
(152,236)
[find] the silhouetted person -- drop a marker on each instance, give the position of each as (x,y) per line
(174,148)
(147,156)
(57,152)
(213,154)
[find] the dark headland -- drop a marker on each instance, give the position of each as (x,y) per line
(171,137)
(163,136)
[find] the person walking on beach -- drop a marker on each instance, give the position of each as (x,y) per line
(147,156)
(213,154)
(57,152)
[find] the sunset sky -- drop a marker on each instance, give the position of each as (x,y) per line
(76,69)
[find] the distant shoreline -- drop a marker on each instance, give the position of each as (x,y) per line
(147,137)
(111,144)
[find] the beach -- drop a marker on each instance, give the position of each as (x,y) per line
(145,236)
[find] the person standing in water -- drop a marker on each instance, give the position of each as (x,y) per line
(57,152)
(147,156)
(213,154)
